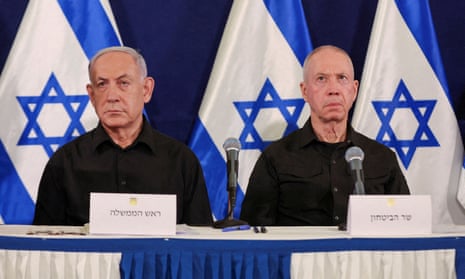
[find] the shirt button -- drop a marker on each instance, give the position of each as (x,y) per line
(336,218)
(333,162)
(335,189)
(123,182)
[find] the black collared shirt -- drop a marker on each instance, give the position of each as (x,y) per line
(299,180)
(153,164)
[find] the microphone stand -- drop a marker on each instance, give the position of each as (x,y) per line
(232,147)
(354,156)
(230,221)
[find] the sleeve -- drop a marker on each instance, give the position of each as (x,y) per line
(50,205)
(196,208)
(260,205)
(397,183)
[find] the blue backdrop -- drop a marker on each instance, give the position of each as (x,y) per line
(179,39)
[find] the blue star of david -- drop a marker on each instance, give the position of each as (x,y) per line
(267,98)
(421,109)
(32,106)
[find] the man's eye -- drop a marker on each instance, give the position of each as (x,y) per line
(124,83)
(344,79)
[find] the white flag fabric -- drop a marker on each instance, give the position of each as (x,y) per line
(43,98)
(253,93)
(404,103)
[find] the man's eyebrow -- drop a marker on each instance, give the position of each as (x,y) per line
(119,77)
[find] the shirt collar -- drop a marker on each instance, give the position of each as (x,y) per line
(307,135)
(145,137)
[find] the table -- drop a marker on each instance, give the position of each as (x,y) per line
(200,252)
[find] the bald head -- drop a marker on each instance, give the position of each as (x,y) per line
(325,49)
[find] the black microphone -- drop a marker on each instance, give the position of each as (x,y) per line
(232,146)
(354,156)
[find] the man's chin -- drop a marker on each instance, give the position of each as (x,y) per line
(334,118)
(114,123)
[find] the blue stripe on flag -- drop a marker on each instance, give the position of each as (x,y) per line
(417,15)
(296,33)
(91,25)
(214,169)
(16,206)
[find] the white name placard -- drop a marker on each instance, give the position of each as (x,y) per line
(389,215)
(141,214)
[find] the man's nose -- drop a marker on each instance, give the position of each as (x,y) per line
(334,88)
(113,92)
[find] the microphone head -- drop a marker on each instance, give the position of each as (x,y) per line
(354,153)
(232,144)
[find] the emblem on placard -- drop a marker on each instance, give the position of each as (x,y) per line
(391,202)
(133,201)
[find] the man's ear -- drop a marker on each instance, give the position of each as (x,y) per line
(91,93)
(149,85)
(355,89)
(303,91)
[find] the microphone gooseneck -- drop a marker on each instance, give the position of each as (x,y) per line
(354,156)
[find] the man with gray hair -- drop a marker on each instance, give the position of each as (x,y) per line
(123,154)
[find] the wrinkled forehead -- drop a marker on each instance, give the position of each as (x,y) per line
(331,60)
(119,53)
(113,57)
(114,63)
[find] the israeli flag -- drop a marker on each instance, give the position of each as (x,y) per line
(43,98)
(253,93)
(405,104)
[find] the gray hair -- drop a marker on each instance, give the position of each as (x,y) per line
(138,58)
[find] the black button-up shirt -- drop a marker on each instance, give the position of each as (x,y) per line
(299,180)
(153,164)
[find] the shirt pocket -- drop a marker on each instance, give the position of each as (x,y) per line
(376,178)
(301,185)
(297,172)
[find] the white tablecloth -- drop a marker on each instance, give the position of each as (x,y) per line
(423,264)
(48,265)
